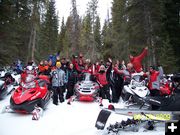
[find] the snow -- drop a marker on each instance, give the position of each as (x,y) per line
(76,119)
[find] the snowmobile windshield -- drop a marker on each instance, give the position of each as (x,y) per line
(138,78)
(138,81)
(29,78)
(29,85)
(86,77)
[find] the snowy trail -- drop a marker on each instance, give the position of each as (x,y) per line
(76,119)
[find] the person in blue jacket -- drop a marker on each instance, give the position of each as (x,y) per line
(53,58)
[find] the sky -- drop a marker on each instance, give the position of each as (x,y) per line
(64,7)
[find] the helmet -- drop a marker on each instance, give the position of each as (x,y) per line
(30,68)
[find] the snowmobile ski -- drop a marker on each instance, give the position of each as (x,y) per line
(102,119)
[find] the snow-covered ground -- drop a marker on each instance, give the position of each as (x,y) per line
(76,119)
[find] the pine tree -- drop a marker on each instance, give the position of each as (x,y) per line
(119,26)
(167,57)
(86,36)
(14,30)
(92,14)
(97,36)
(49,31)
(75,31)
(62,35)
(67,50)
(107,40)
(172,27)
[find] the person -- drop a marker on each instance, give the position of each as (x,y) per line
(54,58)
(72,79)
(137,61)
(116,84)
(75,63)
(29,74)
(58,81)
(125,72)
(8,79)
(63,64)
(122,65)
(19,67)
(111,80)
(41,67)
(87,69)
(103,82)
(31,63)
(154,81)
(47,68)
(97,66)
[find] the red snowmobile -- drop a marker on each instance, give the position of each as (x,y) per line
(31,96)
(86,90)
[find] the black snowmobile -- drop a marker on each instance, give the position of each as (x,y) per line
(7,83)
(167,103)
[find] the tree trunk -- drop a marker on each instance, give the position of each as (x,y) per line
(29,45)
(33,43)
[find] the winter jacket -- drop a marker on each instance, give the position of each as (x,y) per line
(47,70)
(41,68)
(126,73)
(58,78)
(154,81)
(136,61)
(102,78)
(53,58)
(71,76)
(76,66)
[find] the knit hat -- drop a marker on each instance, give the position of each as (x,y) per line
(58,64)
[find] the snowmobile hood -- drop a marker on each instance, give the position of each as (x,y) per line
(21,95)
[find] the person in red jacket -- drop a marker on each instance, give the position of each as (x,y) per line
(154,81)
(102,80)
(137,60)
(41,67)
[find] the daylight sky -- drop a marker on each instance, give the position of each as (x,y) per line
(64,7)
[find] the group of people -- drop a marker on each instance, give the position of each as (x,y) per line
(111,76)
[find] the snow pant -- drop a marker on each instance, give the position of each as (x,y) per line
(104,92)
(114,94)
(70,90)
(154,92)
(119,86)
(64,88)
(58,93)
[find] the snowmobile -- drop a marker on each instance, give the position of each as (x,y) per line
(169,102)
(31,97)
(87,89)
(130,121)
(7,85)
(133,93)
(2,72)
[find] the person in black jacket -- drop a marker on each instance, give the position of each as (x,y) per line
(71,75)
